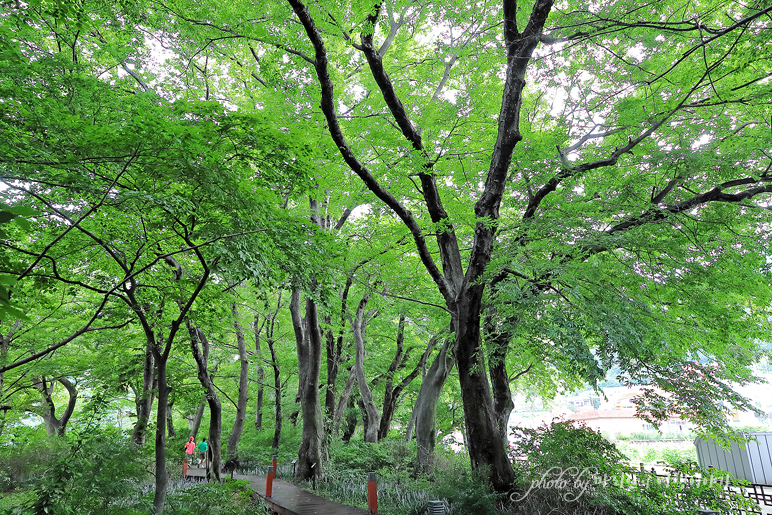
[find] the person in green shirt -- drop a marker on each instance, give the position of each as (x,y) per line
(202,448)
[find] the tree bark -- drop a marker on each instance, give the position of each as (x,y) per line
(241,404)
(352,419)
(5,345)
(170,421)
(260,375)
(334,351)
(195,423)
(199,346)
(392,394)
(373,422)
(161,475)
(425,409)
(55,426)
(340,408)
(144,402)
(482,430)
(277,397)
(309,341)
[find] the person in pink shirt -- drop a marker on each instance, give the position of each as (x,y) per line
(190,448)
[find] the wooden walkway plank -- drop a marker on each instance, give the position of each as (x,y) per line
(288,499)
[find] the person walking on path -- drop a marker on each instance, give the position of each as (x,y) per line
(202,447)
(190,448)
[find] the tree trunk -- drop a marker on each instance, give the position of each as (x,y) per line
(425,409)
(351,420)
(373,422)
(170,422)
(201,357)
(55,426)
(485,442)
(309,341)
(161,476)
(144,402)
(340,409)
(334,351)
(5,344)
(392,394)
(502,395)
(241,404)
(260,375)
(277,397)
(194,423)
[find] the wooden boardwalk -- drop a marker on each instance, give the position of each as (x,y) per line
(288,499)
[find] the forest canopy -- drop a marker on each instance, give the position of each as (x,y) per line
(383,207)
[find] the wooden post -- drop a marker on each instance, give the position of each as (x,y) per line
(269,482)
(372,493)
(185,467)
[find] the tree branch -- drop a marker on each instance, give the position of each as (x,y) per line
(328,108)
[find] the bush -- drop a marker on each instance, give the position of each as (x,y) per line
(574,470)
(229,498)
(565,444)
(25,456)
(97,468)
(388,457)
(677,457)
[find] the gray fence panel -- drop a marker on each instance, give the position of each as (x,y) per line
(760,456)
(734,461)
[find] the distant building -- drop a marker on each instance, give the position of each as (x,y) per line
(621,420)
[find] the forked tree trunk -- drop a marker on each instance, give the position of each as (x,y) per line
(425,409)
(144,401)
(460,286)
(241,403)
(373,422)
(309,343)
(201,357)
(482,430)
(340,408)
(55,426)
(334,351)
(392,394)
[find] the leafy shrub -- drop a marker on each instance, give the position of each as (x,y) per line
(97,468)
(565,444)
(359,457)
(255,446)
(25,456)
(229,498)
(601,483)
(677,457)
(466,491)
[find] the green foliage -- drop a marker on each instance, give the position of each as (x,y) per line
(564,444)
(575,470)
(466,491)
(229,498)
(99,468)
(26,455)
(679,457)
(360,457)
(462,491)
(255,446)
